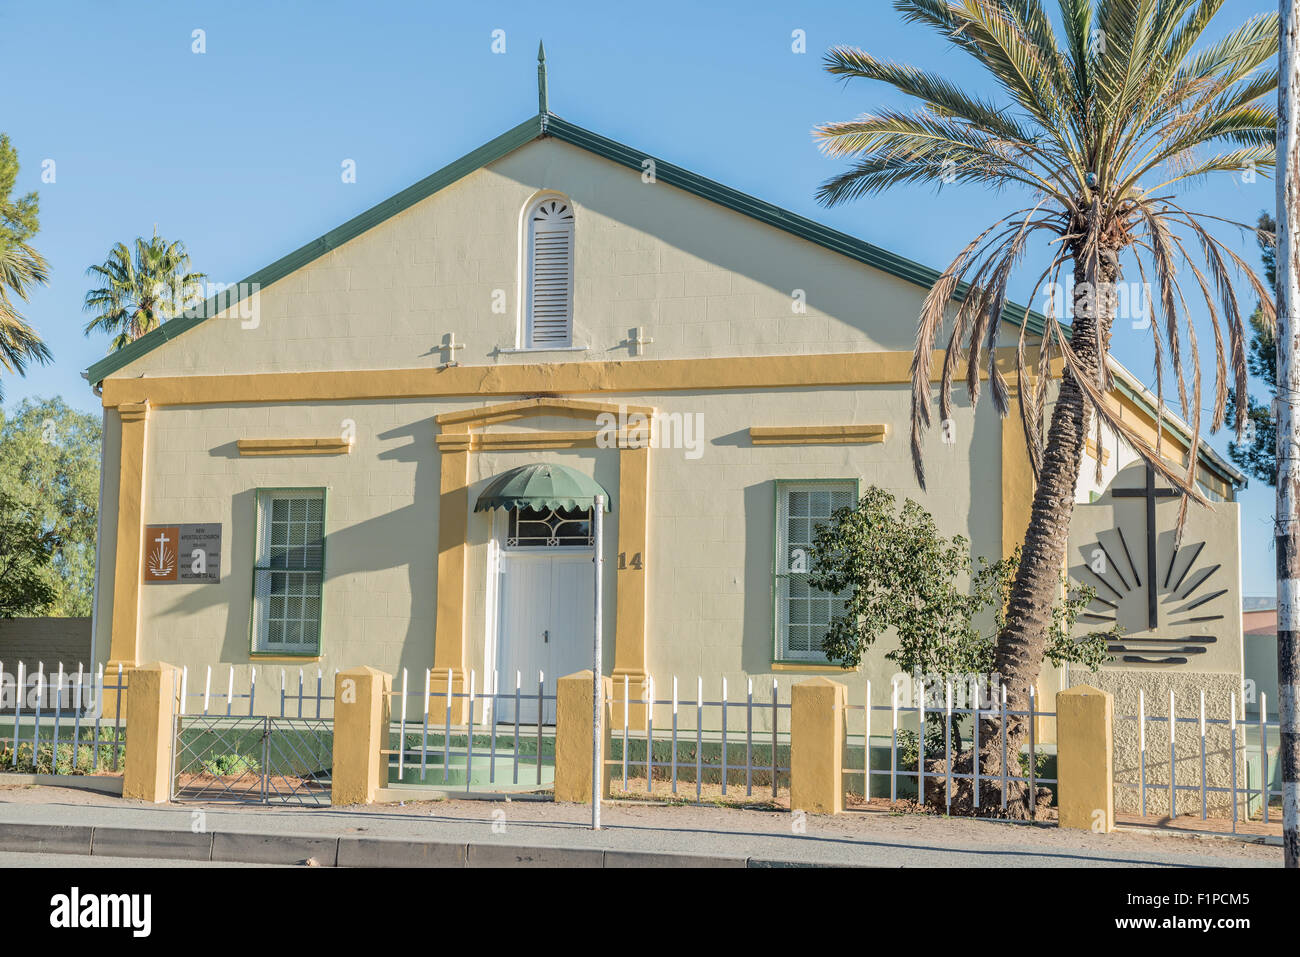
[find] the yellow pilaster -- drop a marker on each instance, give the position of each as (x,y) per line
(124,644)
(449,630)
(361,712)
(1085,759)
(150,725)
(631,582)
(573,738)
(817,714)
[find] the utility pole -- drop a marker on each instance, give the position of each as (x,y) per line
(1288,424)
(597,663)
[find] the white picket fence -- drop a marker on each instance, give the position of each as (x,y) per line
(63,722)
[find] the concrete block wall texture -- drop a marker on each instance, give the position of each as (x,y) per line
(1156,685)
(49,640)
(702,279)
(711,527)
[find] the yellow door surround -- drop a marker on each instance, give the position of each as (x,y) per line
(455,443)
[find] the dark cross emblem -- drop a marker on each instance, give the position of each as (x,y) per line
(1151,494)
(1153,649)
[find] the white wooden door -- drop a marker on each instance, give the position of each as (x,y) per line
(572,626)
(522,638)
(545,625)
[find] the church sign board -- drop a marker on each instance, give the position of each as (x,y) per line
(184,554)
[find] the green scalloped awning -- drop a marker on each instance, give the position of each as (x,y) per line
(541,486)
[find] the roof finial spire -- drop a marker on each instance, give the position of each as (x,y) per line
(542,106)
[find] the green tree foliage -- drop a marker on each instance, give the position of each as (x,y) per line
(49,472)
(26,551)
(1257,452)
(137,293)
(895,571)
(21,268)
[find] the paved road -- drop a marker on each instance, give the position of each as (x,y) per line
(859,838)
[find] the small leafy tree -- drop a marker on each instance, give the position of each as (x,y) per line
(897,572)
(25,550)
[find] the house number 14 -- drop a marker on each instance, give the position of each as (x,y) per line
(623,563)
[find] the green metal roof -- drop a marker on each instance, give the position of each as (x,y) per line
(541,485)
(542,125)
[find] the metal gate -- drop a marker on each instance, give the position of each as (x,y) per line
(257,759)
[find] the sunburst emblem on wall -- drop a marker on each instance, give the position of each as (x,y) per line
(1176,591)
(162,561)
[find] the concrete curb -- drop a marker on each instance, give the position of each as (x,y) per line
(275,849)
(48,838)
(141,842)
(342,851)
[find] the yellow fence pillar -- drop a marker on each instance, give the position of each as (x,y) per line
(150,728)
(1085,759)
(817,714)
(573,738)
(361,713)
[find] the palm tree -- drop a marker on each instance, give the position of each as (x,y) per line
(21,267)
(139,294)
(1103,113)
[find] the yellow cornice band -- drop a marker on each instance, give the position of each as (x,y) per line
(818,434)
(569,378)
(329,446)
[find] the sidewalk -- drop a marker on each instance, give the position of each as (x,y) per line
(542,833)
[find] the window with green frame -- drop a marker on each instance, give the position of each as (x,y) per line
(289,571)
(803,613)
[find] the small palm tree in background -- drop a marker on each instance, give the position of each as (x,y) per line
(140,292)
(1104,113)
(21,268)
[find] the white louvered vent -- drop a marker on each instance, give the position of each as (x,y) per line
(549,320)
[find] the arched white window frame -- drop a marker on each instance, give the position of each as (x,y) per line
(546,303)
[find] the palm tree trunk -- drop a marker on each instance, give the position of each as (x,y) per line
(1037,585)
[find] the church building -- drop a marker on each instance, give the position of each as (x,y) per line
(376,450)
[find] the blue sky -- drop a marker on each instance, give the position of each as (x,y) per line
(238,150)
